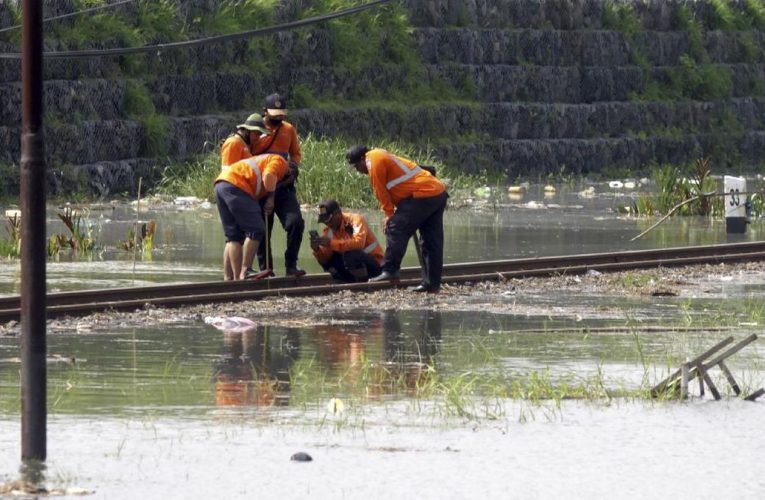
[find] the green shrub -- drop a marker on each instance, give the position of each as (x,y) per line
(155,134)
(721,16)
(137,100)
(620,18)
(755,12)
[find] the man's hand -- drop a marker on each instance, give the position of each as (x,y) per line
(315,244)
(386,223)
(268,207)
(324,240)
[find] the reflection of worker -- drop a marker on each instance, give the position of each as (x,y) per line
(238,190)
(347,249)
(412,363)
(248,372)
(412,199)
(237,146)
(282,140)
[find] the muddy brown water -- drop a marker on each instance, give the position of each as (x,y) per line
(401,399)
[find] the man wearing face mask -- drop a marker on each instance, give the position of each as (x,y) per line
(282,140)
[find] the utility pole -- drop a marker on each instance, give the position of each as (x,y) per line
(33,252)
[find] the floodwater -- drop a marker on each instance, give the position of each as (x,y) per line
(188,243)
(398,404)
(419,408)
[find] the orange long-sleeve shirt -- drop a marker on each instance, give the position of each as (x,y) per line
(282,141)
(233,150)
(256,176)
(359,237)
(394,178)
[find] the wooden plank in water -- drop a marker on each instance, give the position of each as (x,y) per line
(662,386)
(756,394)
(710,384)
(729,376)
(731,351)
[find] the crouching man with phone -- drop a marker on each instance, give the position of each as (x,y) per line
(348,250)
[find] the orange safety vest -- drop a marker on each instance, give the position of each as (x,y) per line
(342,240)
(282,141)
(248,174)
(395,178)
(233,150)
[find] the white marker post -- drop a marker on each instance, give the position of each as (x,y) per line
(735,204)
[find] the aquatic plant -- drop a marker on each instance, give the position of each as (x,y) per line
(11,248)
(80,239)
(142,240)
(686,194)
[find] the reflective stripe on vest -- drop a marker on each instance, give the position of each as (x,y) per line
(408,174)
(253,163)
(369,248)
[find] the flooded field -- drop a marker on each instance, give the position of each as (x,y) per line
(188,243)
(520,390)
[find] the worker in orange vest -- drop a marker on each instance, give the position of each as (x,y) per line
(283,140)
(239,190)
(348,249)
(412,199)
(237,146)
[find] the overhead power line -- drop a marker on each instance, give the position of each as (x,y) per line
(73,14)
(159,48)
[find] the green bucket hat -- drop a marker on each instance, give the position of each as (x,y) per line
(254,122)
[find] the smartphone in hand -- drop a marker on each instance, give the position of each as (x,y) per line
(313,234)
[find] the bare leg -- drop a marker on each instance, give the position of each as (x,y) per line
(228,270)
(234,250)
(249,250)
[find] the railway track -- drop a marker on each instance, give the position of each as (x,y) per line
(89,301)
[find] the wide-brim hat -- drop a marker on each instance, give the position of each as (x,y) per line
(254,122)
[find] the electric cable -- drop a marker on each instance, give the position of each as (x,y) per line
(159,48)
(72,14)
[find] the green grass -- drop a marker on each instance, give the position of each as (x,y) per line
(323,174)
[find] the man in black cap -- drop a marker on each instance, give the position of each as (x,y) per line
(412,200)
(282,140)
(347,249)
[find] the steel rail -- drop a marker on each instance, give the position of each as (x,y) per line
(89,301)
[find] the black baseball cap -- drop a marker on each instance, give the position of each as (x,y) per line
(326,209)
(276,105)
(355,153)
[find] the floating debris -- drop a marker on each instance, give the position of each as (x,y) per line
(616,184)
(335,406)
(231,323)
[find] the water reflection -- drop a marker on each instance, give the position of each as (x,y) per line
(254,367)
(385,355)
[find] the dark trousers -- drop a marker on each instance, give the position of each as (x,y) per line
(427,215)
(287,209)
(340,265)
